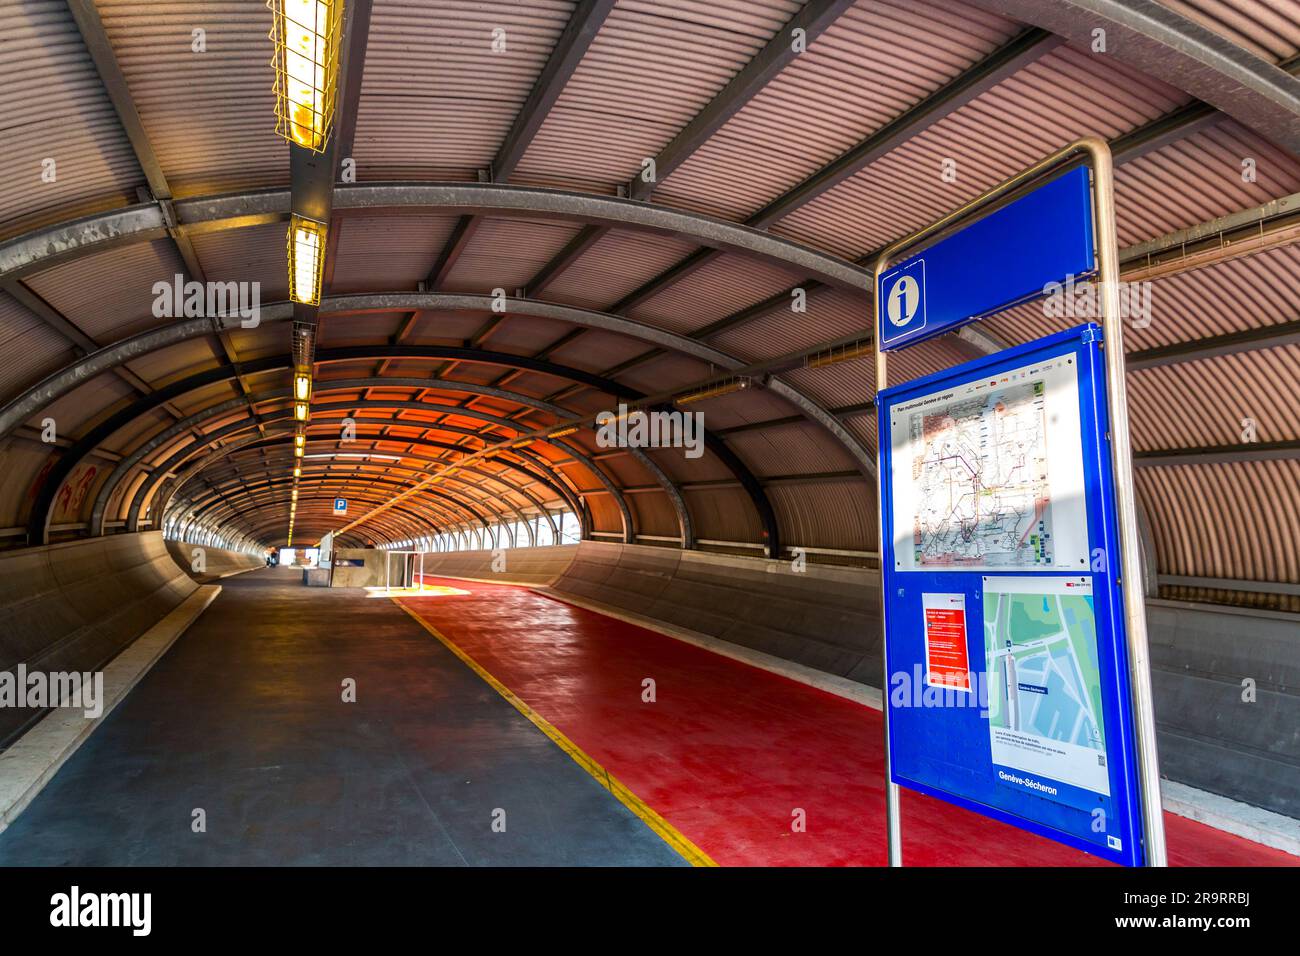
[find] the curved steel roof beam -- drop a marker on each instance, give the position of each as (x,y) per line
(561,478)
(270,494)
(236,490)
(20,409)
(1162,43)
(39,521)
(559,487)
(44,248)
(362,472)
(124,466)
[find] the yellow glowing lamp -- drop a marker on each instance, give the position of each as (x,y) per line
(307,35)
(302,386)
(306,259)
(299,441)
(297,471)
(300,411)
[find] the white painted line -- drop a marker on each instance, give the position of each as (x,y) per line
(32,761)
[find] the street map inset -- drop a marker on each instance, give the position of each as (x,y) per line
(1044,701)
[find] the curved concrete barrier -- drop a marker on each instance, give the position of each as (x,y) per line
(216,562)
(75,606)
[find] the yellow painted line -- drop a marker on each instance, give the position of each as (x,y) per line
(666,831)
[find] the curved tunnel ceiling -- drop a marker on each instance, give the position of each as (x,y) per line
(500,269)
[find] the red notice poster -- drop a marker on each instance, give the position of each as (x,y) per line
(946,661)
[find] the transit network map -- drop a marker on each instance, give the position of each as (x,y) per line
(980,466)
(988,474)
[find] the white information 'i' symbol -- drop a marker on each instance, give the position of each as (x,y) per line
(904,298)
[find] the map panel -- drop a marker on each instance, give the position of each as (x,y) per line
(1044,701)
(989,475)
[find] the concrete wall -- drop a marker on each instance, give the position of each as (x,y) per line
(218,562)
(74,606)
(827,618)
(1209,736)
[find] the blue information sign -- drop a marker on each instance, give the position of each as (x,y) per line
(1008,669)
(340,506)
(999,260)
(1006,647)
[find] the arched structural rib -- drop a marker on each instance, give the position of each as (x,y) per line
(44,248)
(1163,43)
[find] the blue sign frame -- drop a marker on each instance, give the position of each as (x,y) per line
(945,751)
(1000,259)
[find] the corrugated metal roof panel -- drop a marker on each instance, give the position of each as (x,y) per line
(1058,98)
(1219,400)
(1268,28)
(717,289)
(209,115)
(831,314)
(874,62)
(252,254)
(110,295)
(615,265)
(832,513)
(1236,520)
(54,107)
(1231,296)
(436,101)
(506,253)
(1209,174)
(652,67)
(31,348)
(387,253)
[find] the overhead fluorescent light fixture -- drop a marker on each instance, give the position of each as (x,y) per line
(307,35)
(306,259)
(713,391)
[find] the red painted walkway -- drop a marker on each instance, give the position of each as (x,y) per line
(728,751)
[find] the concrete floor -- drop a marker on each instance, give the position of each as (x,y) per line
(243,718)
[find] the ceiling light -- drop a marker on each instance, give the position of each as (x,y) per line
(297,471)
(713,391)
(300,411)
(306,257)
(307,36)
(302,386)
